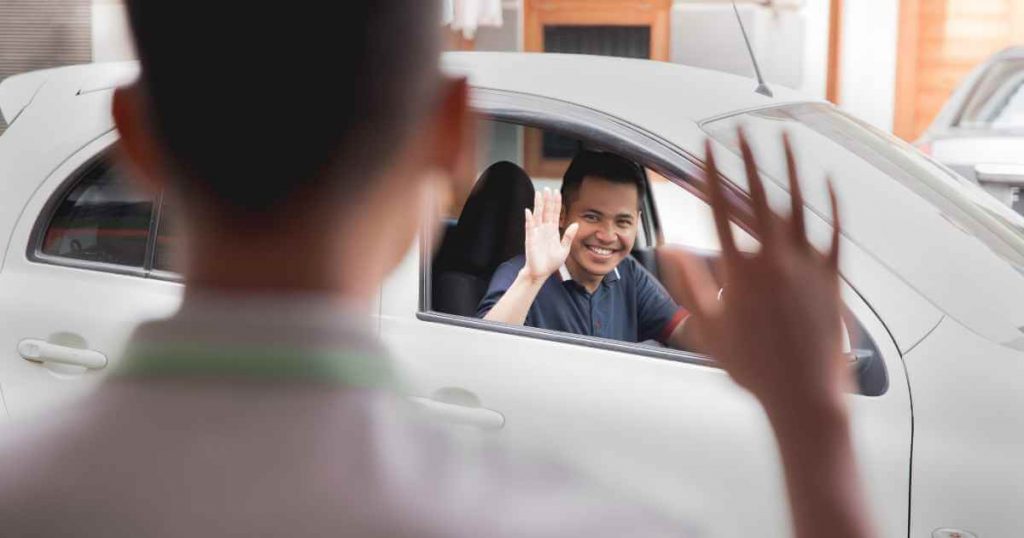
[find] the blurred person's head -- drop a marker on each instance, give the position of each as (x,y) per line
(601,192)
(293,138)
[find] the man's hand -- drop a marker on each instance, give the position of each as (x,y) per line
(778,333)
(545,252)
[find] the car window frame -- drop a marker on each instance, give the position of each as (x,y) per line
(675,164)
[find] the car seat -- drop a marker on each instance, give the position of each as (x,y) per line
(489,232)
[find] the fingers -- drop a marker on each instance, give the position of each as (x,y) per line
(554,207)
(539,207)
(528,219)
(570,234)
(547,206)
(796,196)
(719,205)
(833,253)
(765,217)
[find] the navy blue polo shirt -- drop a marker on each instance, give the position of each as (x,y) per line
(630,305)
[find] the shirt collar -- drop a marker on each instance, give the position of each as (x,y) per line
(272,337)
(563,271)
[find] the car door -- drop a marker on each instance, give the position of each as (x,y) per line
(76,280)
(666,427)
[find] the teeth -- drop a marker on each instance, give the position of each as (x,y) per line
(602,251)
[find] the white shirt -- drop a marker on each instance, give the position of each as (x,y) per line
(277,417)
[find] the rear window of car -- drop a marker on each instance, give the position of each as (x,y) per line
(102,218)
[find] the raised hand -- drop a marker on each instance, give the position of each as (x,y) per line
(778,331)
(545,251)
(778,334)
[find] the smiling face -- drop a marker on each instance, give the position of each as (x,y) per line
(608,216)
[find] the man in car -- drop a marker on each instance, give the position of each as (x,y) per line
(577,274)
(265,406)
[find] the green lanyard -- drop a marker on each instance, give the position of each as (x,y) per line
(352,369)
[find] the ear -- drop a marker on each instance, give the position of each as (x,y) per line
(453,136)
(138,148)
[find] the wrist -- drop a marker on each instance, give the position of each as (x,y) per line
(531,279)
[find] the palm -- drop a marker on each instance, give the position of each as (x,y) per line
(545,250)
(778,329)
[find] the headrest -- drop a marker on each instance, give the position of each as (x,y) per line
(490,228)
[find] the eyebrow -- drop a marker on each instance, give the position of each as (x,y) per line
(618,216)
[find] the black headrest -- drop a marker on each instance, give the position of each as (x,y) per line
(490,228)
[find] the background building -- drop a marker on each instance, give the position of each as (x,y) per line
(890,62)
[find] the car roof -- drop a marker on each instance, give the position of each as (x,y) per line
(597,81)
(601,82)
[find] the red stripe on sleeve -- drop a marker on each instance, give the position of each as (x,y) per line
(673,323)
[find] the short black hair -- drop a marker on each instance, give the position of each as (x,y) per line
(604,165)
(260,102)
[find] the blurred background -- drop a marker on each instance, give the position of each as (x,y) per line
(893,63)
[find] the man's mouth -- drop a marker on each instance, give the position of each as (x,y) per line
(600,251)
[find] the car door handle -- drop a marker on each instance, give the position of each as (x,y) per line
(480,417)
(36,350)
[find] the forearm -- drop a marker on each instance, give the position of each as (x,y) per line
(515,304)
(686,337)
(825,493)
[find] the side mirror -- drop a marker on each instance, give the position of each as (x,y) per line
(1003,174)
(1004,181)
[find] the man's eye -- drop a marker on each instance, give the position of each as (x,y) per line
(590,218)
(625,223)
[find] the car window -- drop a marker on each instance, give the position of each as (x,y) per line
(686,220)
(167,250)
(543,155)
(459,276)
(103,218)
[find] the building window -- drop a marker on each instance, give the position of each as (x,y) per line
(624,28)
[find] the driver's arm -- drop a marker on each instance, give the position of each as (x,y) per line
(545,251)
(515,303)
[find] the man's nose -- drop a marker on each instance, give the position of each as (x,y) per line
(605,234)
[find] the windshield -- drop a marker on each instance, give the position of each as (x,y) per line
(947,238)
(997,101)
(960,200)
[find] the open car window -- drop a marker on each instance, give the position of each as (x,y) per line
(674,214)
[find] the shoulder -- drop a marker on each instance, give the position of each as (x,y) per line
(506,273)
(512,264)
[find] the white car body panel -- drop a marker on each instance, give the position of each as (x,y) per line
(680,436)
(100,308)
(677,434)
(968,422)
(960,152)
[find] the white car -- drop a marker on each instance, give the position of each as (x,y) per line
(931,272)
